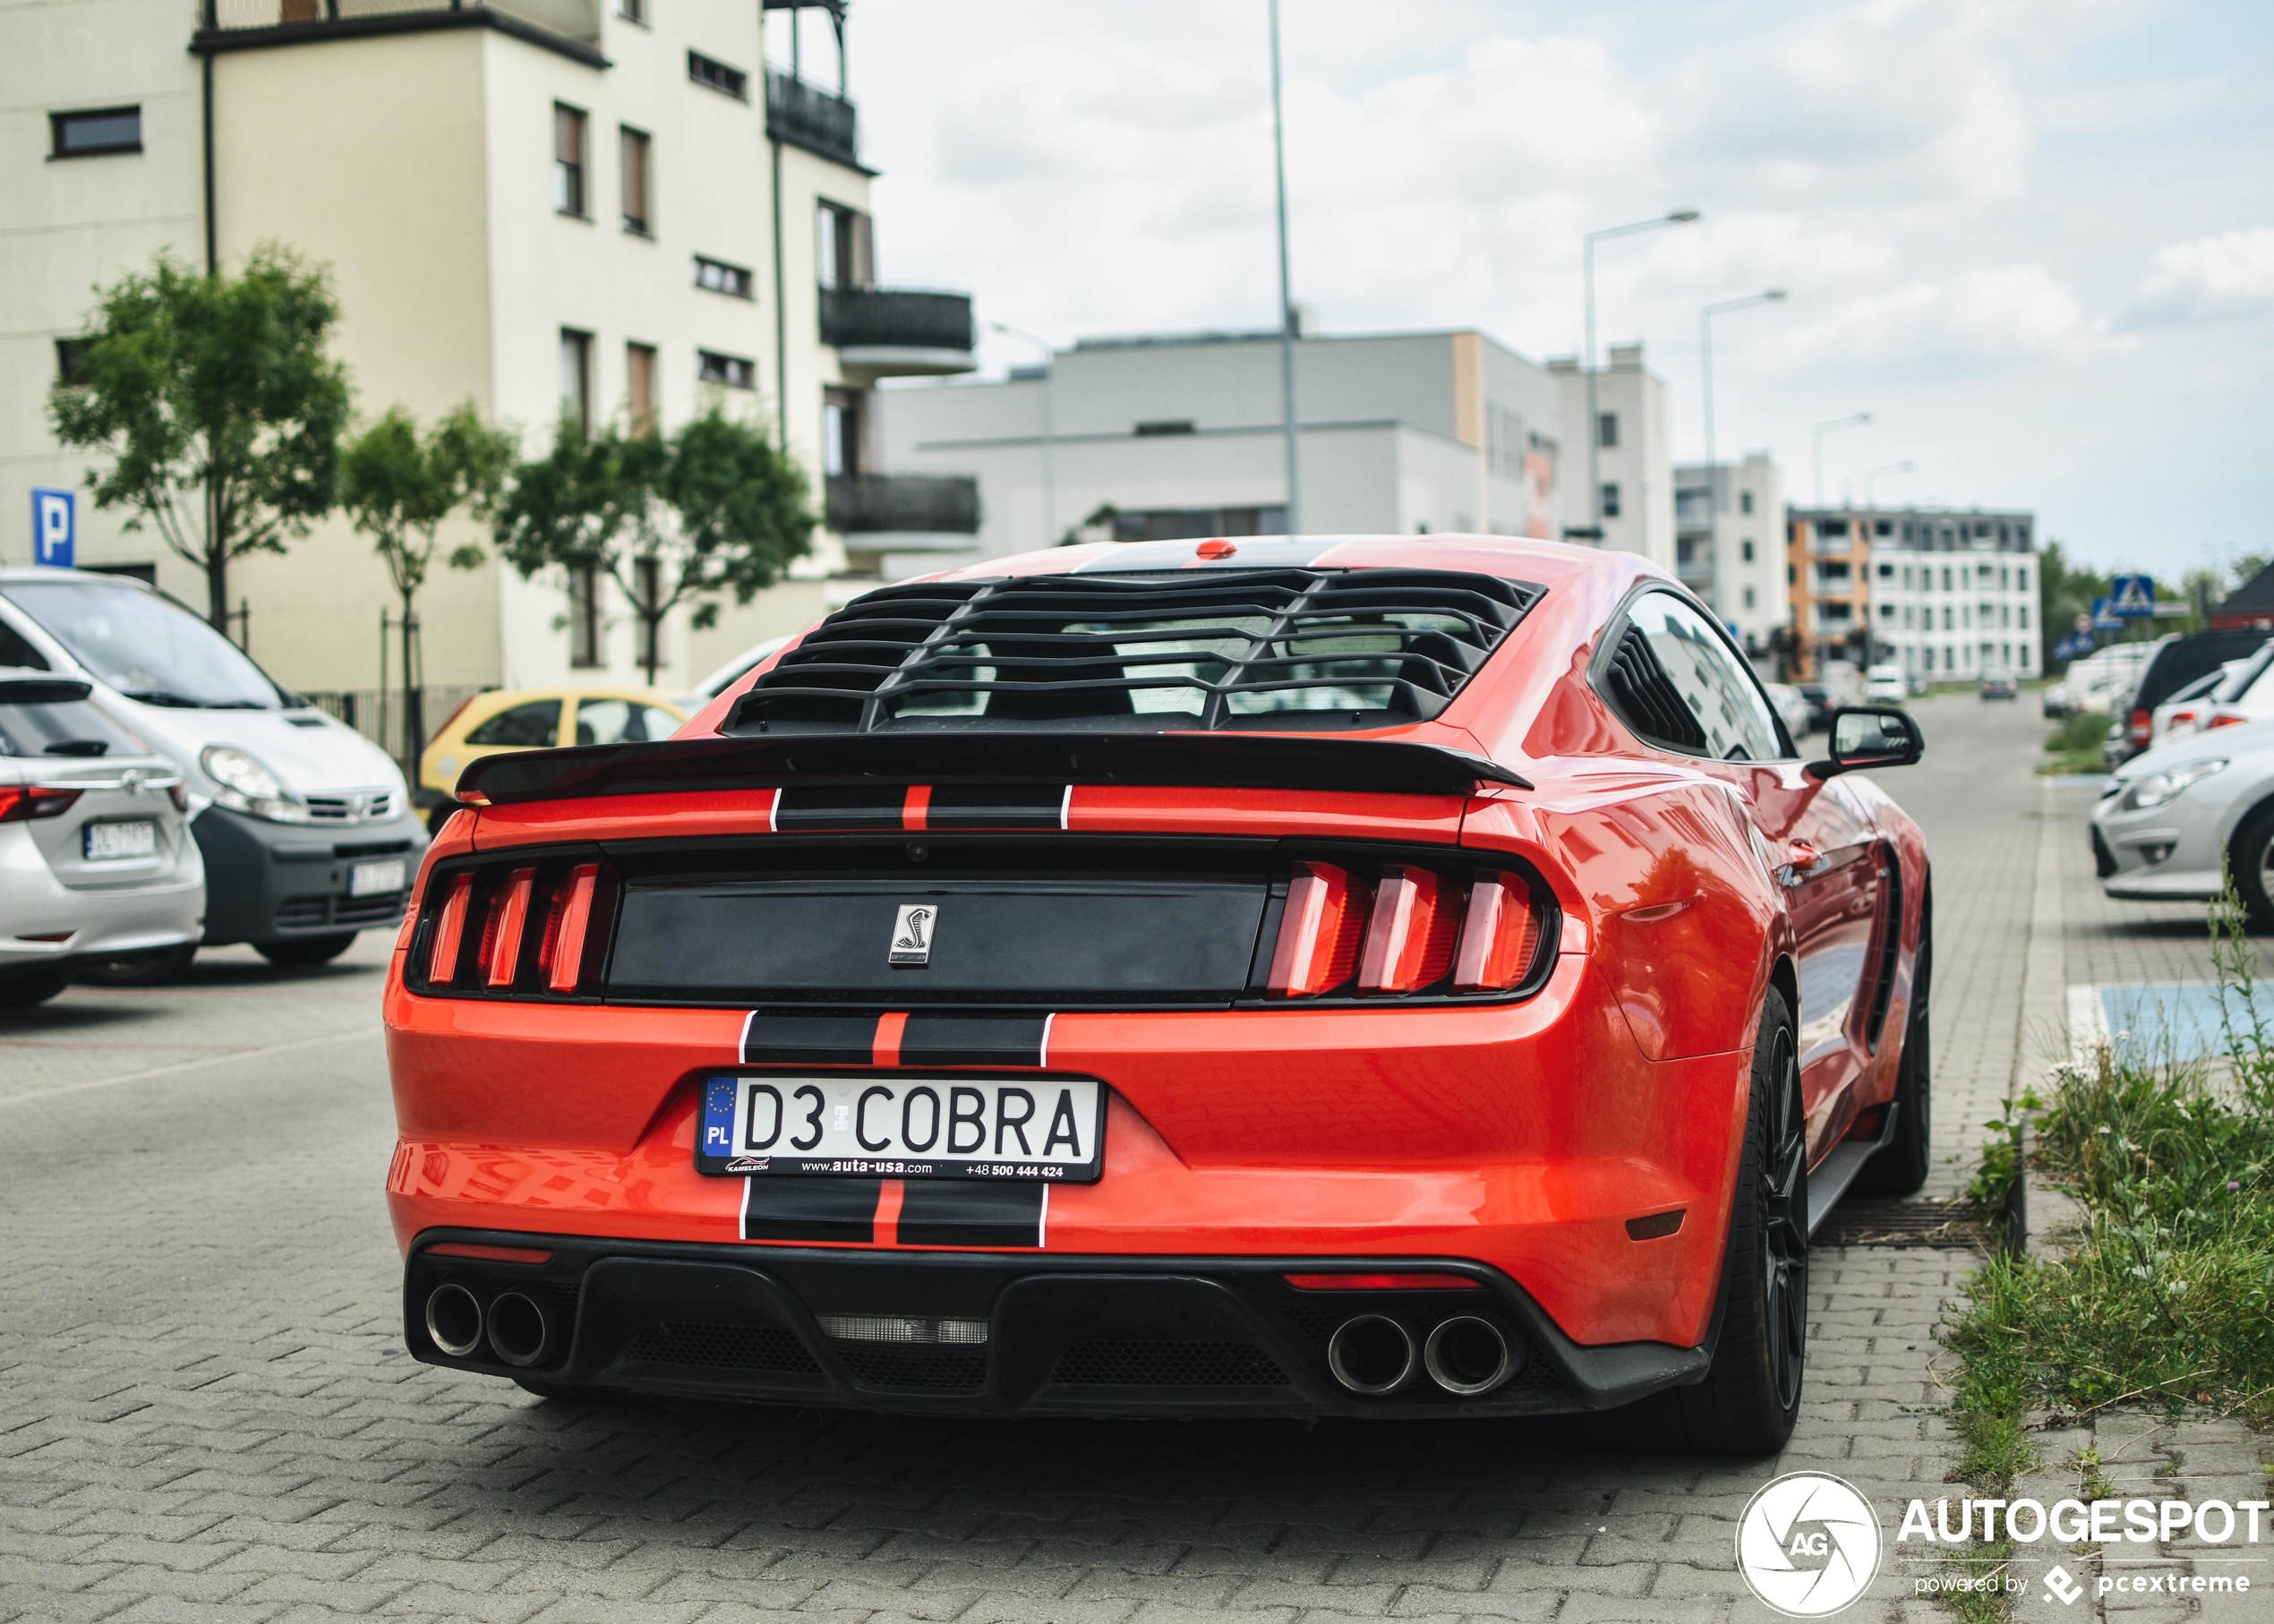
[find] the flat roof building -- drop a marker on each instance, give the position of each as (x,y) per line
(1947,593)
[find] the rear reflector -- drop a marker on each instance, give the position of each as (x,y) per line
(1318,932)
(20,805)
(561,953)
(1381,1282)
(489,1254)
(1656,1227)
(501,930)
(2143,727)
(1499,937)
(449,931)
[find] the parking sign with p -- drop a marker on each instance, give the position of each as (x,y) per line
(53,521)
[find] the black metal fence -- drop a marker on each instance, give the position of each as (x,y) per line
(939,503)
(889,318)
(807,116)
(376,713)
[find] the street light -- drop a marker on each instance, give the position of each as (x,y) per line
(1049,480)
(1677,217)
(1833,427)
(1872,474)
(1775,296)
(1286,298)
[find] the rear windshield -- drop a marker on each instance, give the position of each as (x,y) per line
(144,646)
(73,728)
(1190,648)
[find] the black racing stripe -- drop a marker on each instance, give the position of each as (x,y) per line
(787,1208)
(783,1038)
(947,1212)
(958,1039)
(839,806)
(996,806)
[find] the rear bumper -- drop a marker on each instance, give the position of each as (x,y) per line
(103,924)
(1088,1335)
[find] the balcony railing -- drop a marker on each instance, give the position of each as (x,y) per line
(866,503)
(805,116)
(568,19)
(874,318)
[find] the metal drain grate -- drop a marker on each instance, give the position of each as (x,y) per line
(1905,1224)
(1168,1364)
(733,1348)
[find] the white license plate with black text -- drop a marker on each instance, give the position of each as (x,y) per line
(1049,1128)
(138,838)
(375,879)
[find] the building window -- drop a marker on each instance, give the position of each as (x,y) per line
(633,10)
(1183,524)
(71,360)
(844,247)
(718,76)
(584,615)
(1884,527)
(639,212)
(840,432)
(721,278)
(1945,578)
(639,386)
(648,575)
(95,132)
(567,160)
(731,370)
(1745,501)
(1607,430)
(1746,548)
(1164,426)
(2021,580)
(1610,502)
(2021,621)
(576,380)
(1748,597)
(1887,572)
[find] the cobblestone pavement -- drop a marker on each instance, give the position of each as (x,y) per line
(206,1412)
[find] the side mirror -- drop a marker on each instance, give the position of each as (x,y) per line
(1870,735)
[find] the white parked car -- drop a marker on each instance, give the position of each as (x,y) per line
(2177,814)
(97,862)
(1792,708)
(2245,696)
(729,674)
(1885,685)
(2180,715)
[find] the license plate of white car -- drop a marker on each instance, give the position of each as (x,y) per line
(108,840)
(1046,1128)
(375,879)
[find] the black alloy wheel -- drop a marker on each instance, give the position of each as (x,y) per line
(2252,858)
(1785,1232)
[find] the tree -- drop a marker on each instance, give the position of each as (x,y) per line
(399,487)
(715,508)
(216,403)
(2062,594)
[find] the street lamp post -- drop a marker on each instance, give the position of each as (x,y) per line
(1677,217)
(1049,379)
(1713,470)
(1871,476)
(1833,427)
(1286,297)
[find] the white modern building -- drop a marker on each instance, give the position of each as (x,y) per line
(1624,497)
(1729,548)
(622,208)
(1950,594)
(1172,435)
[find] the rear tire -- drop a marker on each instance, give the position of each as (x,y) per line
(22,992)
(1750,1397)
(1901,1165)
(302,952)
(2252,854)
(149,970)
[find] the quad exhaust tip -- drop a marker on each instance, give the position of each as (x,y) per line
(1468,1356)
(520,1332)
(1371,1354)
(454,1319)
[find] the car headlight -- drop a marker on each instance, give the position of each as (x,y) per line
(247,786)
(2157,788)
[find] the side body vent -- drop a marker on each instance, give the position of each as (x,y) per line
(1647,696)
(1208,649)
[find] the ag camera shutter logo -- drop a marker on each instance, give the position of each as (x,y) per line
(1808,1545)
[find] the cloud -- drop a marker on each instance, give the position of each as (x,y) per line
(1988,316)
(2225,277)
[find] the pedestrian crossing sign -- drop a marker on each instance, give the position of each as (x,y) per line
(2132,597)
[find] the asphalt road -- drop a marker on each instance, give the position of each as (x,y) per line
(206,1410)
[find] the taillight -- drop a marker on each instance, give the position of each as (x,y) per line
(449,931)
(1318,932)
(561,953)
(2224,719)
(21,804)
(1500,936)
(501,928)
(2143,727)
(1409,941)
(2180,719)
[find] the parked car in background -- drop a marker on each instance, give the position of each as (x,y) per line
(2179,816)
(2245,696)
(305,825)
(97,862)
(1916,684)
(537,719)
(2180,715)
(2174,663)
(1885,685)
(710,687)
(1792,708)
(2093,683)
(2000,685)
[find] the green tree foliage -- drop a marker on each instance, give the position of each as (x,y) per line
(715,508)
(399,486)
(217,404)
(2063,592)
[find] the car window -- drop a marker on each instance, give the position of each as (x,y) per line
(2244,680)
(1670,651)
(537,722)
(73,728)
(622,721)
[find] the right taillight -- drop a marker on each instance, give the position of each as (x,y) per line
(1499,937)
(2143,727)
(1406,928)
(513,929)
(2224,719)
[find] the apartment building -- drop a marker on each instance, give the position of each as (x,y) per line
(1624,497)
(1949,593)
(601,208)
(1728,549)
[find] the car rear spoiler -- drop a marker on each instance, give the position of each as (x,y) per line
(1260,761)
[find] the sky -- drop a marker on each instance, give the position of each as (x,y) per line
(2033,238)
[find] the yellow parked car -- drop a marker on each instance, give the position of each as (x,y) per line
(536,719)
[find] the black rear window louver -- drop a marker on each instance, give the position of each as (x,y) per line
(1195,648)
(1647,696)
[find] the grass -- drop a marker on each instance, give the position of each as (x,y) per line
(2075,745)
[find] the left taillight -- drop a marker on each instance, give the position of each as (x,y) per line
(22,803)
(1403,929)
(510,928)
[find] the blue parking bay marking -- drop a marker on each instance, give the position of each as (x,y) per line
(2161,1022)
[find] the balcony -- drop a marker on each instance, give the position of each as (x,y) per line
(889,333)
(806,116)
(570,26)
(912,504)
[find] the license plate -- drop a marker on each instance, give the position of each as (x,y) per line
(104,840)
(375,879)
(1049,1128)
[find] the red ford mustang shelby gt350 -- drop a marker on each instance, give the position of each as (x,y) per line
(1363,977)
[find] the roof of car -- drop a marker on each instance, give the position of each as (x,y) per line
(1513,558)
(499,698)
